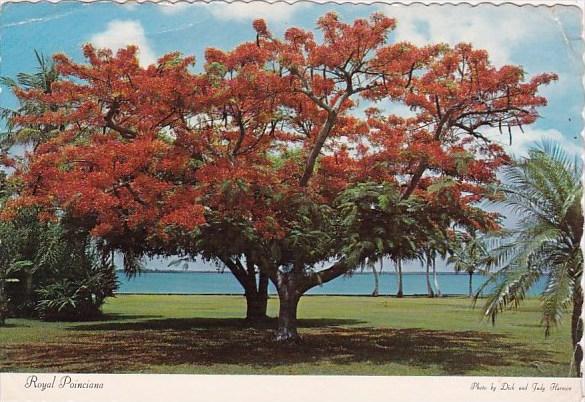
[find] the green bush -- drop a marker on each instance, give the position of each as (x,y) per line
(77,298)
(52,271)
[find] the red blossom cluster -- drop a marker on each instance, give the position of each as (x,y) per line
(154,149)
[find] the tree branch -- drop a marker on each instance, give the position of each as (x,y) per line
(317,278)
(321,138)
(109,119)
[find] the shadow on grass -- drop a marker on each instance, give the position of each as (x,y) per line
(209,324)
(122,317)
(13,325)
(120,346)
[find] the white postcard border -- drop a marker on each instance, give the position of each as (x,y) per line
(62,387)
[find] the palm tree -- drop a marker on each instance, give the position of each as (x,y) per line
(469,254)
(428,261)
(398,267)
(372,264)
(544,190)
(435,245)
(42,79)
(435,279)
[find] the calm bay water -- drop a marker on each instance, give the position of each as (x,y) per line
(357,284)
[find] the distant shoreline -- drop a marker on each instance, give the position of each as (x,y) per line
(170,271)
(275,295)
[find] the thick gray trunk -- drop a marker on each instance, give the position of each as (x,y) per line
(288,296)
(291,285)
(470,284)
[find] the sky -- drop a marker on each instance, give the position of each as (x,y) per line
(541,39)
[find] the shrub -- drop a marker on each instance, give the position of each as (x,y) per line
(79,297)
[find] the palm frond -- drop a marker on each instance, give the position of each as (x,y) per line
(510,286)
(557,296)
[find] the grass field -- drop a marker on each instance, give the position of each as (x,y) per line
(341,335)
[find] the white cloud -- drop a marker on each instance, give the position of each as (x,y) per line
(130,5)
(121,33)
(174,8)
(498,29)
(239,11)
(522,142)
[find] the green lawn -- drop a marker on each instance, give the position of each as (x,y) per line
(341,335)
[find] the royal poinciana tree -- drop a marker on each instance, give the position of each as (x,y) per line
(257,160)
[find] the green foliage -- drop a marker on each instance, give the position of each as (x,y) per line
(132,263)
(469,253)
(378,222)
(44,259)
(79,295)
(42,79)
(545,191)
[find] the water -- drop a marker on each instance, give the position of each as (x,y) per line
(358,284)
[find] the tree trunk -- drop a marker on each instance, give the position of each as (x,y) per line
(577,330)
(400,292)
(255,308)
(28,286)
(376,291)
(435,279)
(257,300)
(471,284)
(288,296)
(430,291)
(291,284)
(256,292)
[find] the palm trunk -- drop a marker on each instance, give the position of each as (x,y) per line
(436,279)
(577,330)
(400,292)
(470,284)
(430,291)
(376,291)
(288,296)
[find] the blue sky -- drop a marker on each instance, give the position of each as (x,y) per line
(541,39)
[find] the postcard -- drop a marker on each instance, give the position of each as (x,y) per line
(262,201)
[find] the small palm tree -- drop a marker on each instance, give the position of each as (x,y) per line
(372,264)
(42,79)
(436,245)
(544,190)
(469,254)
(428,262)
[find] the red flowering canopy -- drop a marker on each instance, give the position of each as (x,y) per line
(146,153)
